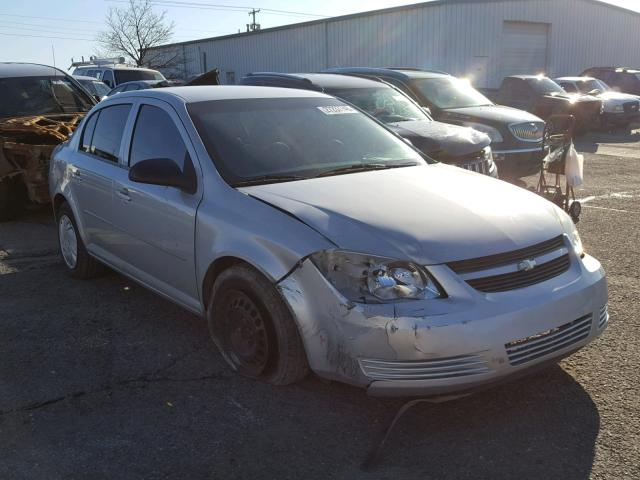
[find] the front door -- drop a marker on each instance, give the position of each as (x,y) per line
(158,222)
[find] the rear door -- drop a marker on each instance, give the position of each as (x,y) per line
(94,168)
(157,223)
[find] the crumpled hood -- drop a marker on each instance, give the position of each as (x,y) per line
(438,138)
(429,214)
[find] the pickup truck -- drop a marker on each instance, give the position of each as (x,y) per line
(543,97)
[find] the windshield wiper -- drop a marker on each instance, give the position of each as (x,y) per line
(264,179)
(364,167)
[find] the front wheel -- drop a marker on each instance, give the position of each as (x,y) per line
(253,328)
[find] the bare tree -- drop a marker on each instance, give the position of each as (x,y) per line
(134,31)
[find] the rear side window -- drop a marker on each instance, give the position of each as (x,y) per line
(132,87)
(156,136)
(108,132)
(87,133)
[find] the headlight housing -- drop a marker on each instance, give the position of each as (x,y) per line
(371,279)
(487,155)
(618,108)
(494,134)
(576,242)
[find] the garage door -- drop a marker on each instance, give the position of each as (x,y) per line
(524,48)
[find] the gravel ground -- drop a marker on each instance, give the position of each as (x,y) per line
(102,379)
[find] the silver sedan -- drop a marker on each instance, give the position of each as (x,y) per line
(311,237)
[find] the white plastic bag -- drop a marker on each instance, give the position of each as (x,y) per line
(573,167)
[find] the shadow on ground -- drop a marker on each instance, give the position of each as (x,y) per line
(102,379)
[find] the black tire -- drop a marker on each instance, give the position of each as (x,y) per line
(253,328)
(85,265)
(12,199)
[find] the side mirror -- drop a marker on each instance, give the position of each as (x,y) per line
(427,110)
(163,171)
(97,98)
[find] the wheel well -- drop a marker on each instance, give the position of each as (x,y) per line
(215,269)
(57,201)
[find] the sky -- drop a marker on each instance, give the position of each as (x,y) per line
(38,30)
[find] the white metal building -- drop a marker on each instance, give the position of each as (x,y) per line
(482,39)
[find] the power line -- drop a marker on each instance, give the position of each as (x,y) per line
(48,30)
(46,26)
(221,7)
(47,18)
(39,36)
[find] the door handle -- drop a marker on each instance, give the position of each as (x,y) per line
(123,194)
(76,175)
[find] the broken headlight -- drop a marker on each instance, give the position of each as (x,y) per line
(367,278)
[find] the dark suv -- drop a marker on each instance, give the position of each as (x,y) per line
(544,97)
(463,147)
(516,136)
(625,80)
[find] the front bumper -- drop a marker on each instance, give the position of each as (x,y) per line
(518,163)
(467,341)
(619,118)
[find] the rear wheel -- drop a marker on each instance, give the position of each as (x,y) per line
(74,254)
(253,328)
(12,198)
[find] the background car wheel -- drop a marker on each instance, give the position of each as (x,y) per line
(74,254)
(253,328)
(12,198)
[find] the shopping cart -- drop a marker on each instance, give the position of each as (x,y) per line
(556,144)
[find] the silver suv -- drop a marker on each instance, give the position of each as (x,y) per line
(310,236)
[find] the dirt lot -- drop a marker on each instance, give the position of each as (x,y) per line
(102,379)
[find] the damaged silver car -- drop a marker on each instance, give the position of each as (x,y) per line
(311,237)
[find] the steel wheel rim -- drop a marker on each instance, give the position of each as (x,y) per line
(68,241)
(246,334)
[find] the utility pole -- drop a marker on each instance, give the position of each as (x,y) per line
(252,27)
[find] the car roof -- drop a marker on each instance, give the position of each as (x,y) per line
(204,93)
(573,79)
(399,73)
(16,69)
(137,82)
(322,80)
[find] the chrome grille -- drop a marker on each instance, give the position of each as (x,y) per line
(521,279)
(438,368)
(528,132)
(483,263)
(603,318)
(544,343)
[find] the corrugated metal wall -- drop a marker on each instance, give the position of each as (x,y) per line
(459,38)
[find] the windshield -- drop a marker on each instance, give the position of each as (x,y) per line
(545,86)
(385,104)
(278,139)
(449,92)
(24,96)
(133,74)
(586,86)
(100,88)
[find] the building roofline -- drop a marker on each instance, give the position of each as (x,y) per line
(431,3)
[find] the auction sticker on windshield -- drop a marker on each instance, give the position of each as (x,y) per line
(337,109)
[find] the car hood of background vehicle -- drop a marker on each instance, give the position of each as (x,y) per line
(429,214)
(431,137)
(493,113)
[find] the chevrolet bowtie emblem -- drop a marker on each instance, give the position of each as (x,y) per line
(526,265)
